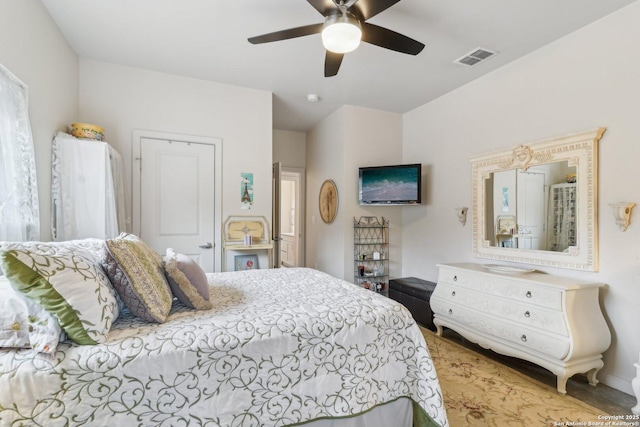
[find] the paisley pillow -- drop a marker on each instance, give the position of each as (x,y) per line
(136,272)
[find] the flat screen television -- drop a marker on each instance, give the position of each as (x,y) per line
(390,185)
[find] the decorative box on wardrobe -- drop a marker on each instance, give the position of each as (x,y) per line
(87,189)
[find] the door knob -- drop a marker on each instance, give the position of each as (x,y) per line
(208,245)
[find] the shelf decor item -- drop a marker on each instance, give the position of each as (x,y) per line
(246,262)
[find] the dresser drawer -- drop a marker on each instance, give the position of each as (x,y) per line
(529,294)
(555,346)
(526,314)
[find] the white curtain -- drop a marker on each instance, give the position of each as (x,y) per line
(19,212)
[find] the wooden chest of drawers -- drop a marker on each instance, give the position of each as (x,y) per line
(552,321)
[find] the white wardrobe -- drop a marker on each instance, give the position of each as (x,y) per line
(87,189)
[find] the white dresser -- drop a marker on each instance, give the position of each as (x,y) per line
(552,321)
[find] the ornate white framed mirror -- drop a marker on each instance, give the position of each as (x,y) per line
(537,203)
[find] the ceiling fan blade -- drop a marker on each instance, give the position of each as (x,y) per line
(291,33)
(388,39)
(332,63)
(325,7)
(370,8)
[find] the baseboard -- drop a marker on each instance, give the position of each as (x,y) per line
(614,381)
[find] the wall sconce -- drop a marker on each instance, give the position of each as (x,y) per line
(622,213)
(462,215)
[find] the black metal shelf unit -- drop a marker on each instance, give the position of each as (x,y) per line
(371,253)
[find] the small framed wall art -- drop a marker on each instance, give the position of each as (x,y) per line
(246,262)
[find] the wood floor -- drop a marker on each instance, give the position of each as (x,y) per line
(609,400)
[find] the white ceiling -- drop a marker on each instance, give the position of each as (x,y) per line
(207,39)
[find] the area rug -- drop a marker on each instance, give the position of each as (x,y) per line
(481,392)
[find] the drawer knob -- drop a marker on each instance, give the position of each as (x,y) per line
(527,314)
(453,293)
(455,278)
(528,294)
(523,338)
(450,311)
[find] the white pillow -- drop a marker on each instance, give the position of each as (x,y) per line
(67,281)
(24,323)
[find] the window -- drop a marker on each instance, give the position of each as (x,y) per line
(18,187)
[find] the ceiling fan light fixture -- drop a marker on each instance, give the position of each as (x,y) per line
(341,33)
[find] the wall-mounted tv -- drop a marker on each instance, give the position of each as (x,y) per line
(390,185)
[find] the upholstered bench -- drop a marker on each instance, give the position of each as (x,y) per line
(414,294)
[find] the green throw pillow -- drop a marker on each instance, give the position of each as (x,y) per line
(67,282)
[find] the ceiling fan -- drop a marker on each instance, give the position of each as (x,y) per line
(343,29)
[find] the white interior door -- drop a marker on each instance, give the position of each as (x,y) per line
(177,198)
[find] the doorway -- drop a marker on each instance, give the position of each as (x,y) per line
(177,188)
(289,198)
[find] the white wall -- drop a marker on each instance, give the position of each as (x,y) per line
(289,148)
(32,48)
(346,140)
(325,160)
(374,138)
(122,99)
(585,80)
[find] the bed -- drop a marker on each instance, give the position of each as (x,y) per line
(278,347)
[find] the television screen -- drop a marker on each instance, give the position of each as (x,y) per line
(390,185)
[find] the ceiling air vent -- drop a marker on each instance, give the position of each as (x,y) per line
(476,55)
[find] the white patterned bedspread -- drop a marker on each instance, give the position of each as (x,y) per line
(279,347)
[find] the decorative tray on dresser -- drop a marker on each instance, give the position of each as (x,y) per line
(552,321)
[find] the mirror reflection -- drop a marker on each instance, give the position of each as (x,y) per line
(533,209)
(537,203)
